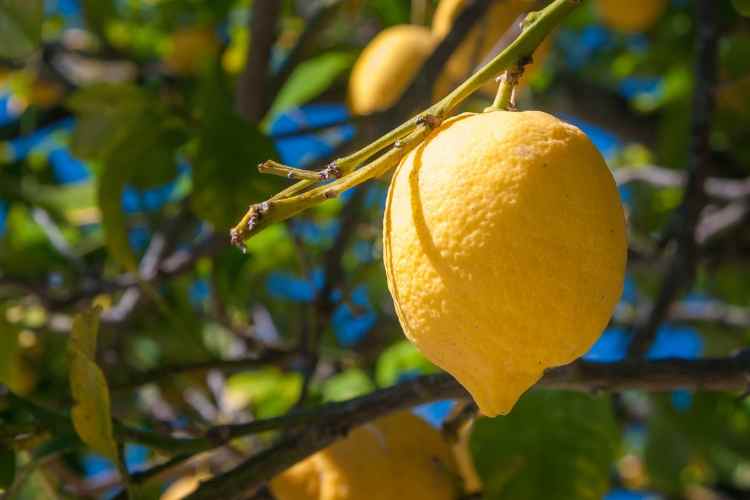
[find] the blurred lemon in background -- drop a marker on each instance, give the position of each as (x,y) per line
(386,67)
(397,456)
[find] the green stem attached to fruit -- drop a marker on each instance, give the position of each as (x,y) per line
(350,172)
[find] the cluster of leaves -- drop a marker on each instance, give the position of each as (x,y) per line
(121,155)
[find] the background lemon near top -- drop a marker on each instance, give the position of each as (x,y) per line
(389,63)
(386,67)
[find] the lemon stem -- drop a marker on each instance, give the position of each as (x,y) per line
(505,99)
(354,169)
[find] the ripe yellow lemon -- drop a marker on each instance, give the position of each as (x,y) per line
(504,249)
(480,41)
(631,16)
(190,49)
(386,67)
(300,482)
(398,456)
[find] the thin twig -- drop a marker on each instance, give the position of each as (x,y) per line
(268,357)
(401,139)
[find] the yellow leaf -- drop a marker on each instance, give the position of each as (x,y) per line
(84,333)
(91,412)
(15,372)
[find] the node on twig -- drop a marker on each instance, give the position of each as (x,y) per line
(332,171)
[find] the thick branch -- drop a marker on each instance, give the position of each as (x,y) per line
(322,426)
(252,87)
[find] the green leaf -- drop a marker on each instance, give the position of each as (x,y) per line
(9,350)
(124,130)
(60,198)
(98,13)
(391,12)
(144,157)
(105,113)
(270,391)
(7,466)
(24,248)
(559,442)
(109,194)
(91,410)
(84,333)
(120,122)
(399,359)
(699,444)
(225,175)
(20,27)
(311,78)
(347,385)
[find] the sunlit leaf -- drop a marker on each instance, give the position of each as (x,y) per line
(20,27)
(312,78)
(270,391)
(401,359)
(347,385)
(557,442)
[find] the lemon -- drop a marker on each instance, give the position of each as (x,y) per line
(398,456)
(504,249)
(190,49)
(479,42)
(300,482)
(386,67)
(630,16)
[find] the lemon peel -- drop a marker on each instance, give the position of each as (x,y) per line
(504,249)
(397,456)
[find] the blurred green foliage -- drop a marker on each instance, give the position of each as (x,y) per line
(148,128)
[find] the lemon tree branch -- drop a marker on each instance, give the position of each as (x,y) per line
(296,199)
(319,427)
(310,430)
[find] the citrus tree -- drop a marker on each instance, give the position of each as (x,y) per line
(374,249)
